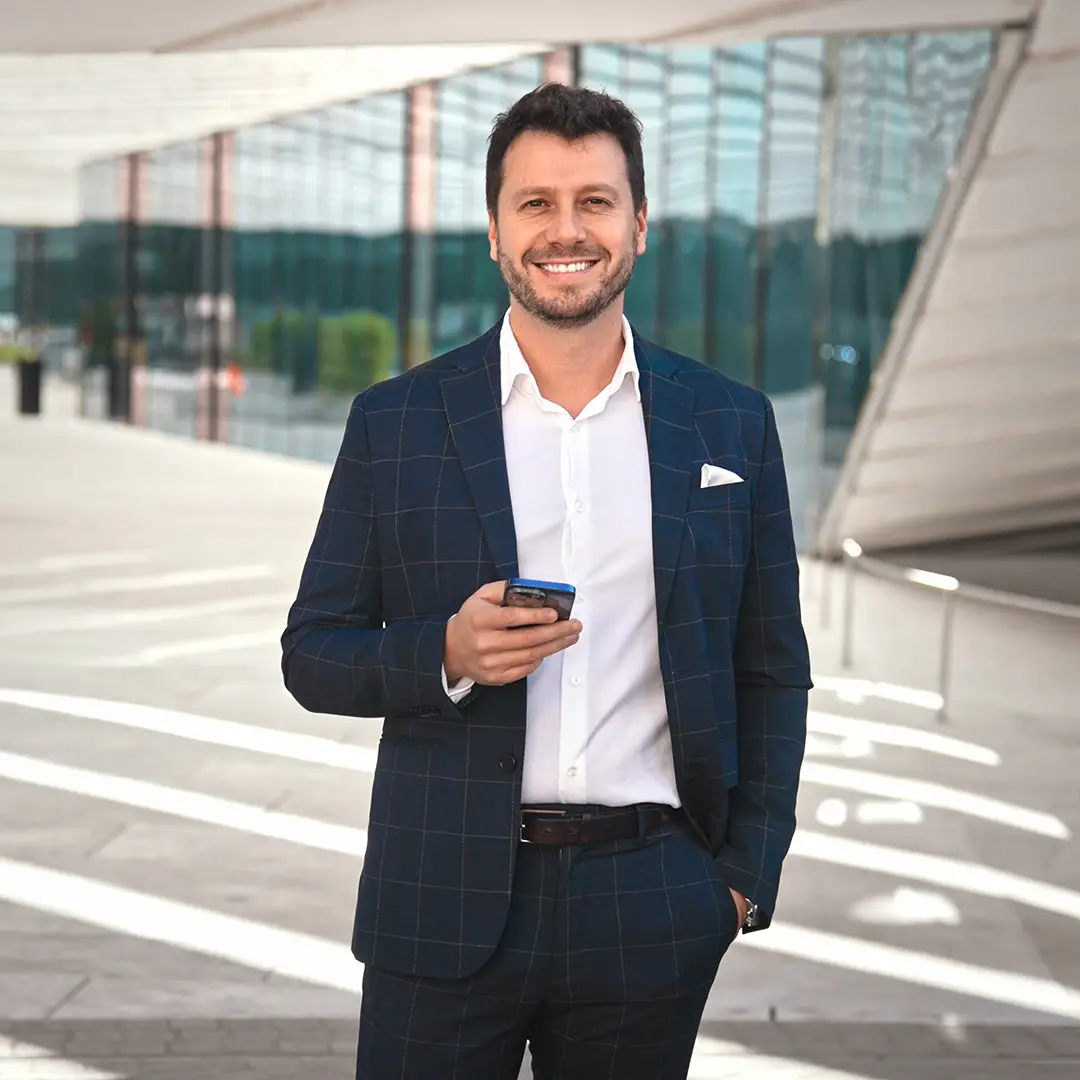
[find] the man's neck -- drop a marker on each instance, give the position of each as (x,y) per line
(570,366)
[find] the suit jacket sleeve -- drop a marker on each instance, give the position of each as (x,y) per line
(772,680)
(337,654)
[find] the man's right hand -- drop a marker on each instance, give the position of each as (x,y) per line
(494,645)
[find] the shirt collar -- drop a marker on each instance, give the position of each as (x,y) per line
(512,365)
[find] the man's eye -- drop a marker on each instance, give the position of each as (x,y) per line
(535,204)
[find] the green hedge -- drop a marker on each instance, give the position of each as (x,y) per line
(341,354)
(13,354)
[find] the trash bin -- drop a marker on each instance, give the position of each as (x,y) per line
(30,387)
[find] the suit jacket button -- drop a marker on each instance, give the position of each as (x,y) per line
(509,763)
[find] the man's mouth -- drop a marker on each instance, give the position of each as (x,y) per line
(561,268)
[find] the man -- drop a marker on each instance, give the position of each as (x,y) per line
(570,821)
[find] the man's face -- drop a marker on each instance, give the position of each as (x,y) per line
(566,236)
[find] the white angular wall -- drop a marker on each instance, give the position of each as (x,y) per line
(972,425)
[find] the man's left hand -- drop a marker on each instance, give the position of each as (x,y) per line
(742,904)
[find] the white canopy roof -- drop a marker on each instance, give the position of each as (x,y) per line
(56,112)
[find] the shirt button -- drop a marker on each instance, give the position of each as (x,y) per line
(579,506)
(576,680)
(572,771)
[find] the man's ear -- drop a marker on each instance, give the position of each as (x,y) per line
(493,238)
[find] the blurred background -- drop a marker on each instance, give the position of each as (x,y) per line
(219,222)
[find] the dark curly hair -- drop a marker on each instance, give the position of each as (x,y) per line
(572,112)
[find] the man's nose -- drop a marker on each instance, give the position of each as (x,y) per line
(566,227)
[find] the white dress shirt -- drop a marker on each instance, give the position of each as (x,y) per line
(597,726)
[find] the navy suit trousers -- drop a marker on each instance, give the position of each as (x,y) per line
(604,968)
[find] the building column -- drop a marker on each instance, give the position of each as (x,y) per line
(213,284)
(418,270)
(130,348)
(215,306)
(30,280)
(763,237)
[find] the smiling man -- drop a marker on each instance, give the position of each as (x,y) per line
(571,819)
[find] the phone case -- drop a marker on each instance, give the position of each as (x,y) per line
(523,592)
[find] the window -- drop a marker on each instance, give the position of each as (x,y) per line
(469,293)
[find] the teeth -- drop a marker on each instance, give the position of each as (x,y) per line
(566,268)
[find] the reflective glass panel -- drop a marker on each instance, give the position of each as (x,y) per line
(469,293)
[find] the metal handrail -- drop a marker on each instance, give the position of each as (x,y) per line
(855,560)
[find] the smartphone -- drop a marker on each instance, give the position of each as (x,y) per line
(525,592)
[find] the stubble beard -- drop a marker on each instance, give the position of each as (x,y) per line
(572,308)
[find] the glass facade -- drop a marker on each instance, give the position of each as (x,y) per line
(37,275)
(253,281)
(37,287)
(315,221)
(100,239)
(790,185)
(901,107)
(469,294)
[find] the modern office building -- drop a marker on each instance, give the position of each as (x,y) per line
(863,211)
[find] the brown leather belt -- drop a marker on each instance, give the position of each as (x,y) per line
(625,823)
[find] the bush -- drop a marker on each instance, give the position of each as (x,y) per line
(287,344)
(355,351)
(344,354)
(14,354)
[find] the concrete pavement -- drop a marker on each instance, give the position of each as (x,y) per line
(179,842)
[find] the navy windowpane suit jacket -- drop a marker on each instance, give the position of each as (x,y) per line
(417,517)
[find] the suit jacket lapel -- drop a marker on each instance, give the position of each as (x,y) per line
(668,409)
(474,412)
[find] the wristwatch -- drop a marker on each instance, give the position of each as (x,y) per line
(750,922)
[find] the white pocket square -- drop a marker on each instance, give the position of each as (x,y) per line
(714,476)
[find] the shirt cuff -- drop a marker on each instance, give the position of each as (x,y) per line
(458,691)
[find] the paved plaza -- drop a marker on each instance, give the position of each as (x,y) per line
(180,842)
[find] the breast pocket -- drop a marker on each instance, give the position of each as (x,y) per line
(719,520)
(719,497)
